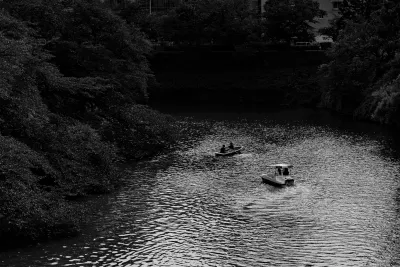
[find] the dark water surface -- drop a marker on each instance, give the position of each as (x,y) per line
(188,208)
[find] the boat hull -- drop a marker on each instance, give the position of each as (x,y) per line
(271,182)
(279,181)
(236,150)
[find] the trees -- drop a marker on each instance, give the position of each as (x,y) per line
(356,10)
(46,155)
(350,71)
(352,11)
(223,22)
(69,72)
(284,19)
(97,43)
(228,22)
(362,76)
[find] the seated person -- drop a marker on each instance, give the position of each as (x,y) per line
(285,171)
(231,145)
(223,149)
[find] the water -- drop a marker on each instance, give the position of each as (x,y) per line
(188,208)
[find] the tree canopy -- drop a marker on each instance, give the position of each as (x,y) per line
(217,22)
(285,19)
(352,11)
(73,78)
(364,68)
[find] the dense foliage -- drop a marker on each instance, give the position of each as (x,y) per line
(351,11)
(221,22)
(362,76)
(210,21)
(73,81)
(287,19)
(226,22)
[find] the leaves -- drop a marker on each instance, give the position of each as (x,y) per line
(222,22)
(284,19)
(365,66)
(69,71)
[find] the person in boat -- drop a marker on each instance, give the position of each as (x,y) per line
(231,145)
(285,171)
(223,149)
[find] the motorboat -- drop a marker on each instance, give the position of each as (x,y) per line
(280,177)
(230,151)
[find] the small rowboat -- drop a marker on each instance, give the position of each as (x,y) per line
(230,152)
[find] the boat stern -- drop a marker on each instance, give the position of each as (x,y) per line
(289,181)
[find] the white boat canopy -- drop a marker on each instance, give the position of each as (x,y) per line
(281,166)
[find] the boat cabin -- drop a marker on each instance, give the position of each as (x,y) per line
(282,176)
(282,169)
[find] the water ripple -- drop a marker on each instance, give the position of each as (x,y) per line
(189,208)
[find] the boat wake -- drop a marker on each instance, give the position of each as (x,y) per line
(247,155)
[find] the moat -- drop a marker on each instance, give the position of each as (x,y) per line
(188,208)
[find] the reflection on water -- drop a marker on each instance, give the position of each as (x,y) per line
(189,208)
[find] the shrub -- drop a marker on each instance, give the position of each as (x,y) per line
(139,131)
(28,212)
